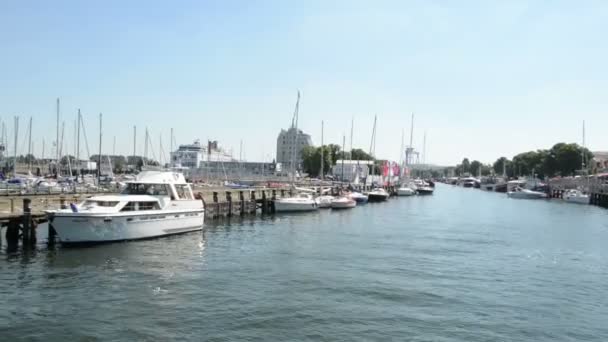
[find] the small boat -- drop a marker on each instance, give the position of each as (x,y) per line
(324,201)
(576,196)
(423,188)
(526,194)
(377,195)
(343,202)
(359,197)
(301,202)
(405,190)
(155,204)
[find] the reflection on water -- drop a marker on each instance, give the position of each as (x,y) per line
(461,265)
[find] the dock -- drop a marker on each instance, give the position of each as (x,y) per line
(596,188)
(21,214)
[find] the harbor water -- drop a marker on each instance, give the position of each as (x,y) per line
(460,265)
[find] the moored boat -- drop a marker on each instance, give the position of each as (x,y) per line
(301,202)
(343,202)
(359,197)
(576,196)
(377,195)
(526,194)
(155,204)
(324,201)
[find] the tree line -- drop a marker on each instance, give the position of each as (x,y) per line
(311,157)
(560,160)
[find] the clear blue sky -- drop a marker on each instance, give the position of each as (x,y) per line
(484,78)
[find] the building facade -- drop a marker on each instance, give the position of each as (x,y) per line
(231,170)
(192,155)
(289,141)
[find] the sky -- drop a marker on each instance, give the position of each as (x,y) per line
(485,79)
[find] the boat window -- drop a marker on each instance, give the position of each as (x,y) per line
(108,204)
(146,189)
(183,191)
(139,206)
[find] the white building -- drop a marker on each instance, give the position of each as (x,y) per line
(351,169)
(287,143)
(192,155)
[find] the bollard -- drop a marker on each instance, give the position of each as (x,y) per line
(264,203)
(282,192)
(274,194)
(62,203)
(229,200)
(27,220)
(242,200)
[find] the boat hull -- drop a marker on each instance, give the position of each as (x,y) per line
(425,191)
(526,195)
(577,199)
(343,204)
(405,192)
(377,197)
(281,207)
(98,229)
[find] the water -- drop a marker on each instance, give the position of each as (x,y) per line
(462,265)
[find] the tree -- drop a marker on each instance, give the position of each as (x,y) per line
(359,154)
(465,165)
(475,167)
(311,160)
(566,159)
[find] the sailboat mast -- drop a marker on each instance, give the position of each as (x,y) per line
(170,147)
(322,172)
(15,147)
(57,141)
(100,141)
(424,149)
(78,138)
(372,147)
(29,148)
(134,140)
(294,122)
(343,154)
(352,126)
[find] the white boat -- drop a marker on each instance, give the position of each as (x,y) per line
(576,196)
(343,202)
(359,197)
(405,191)
(301,202)
(377,195)
(423,188)
(323,201)
(526,194)
(155,204)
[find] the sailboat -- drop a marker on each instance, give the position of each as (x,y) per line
(576,195)
(377,194)
(302,201)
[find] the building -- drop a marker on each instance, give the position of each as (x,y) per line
(192,155)
(600,161)
(288,141)
(231,170)
(352,169)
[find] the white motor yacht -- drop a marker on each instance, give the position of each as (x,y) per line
(301,202)
(377,195)
(405,190)
(343,202)
(576,196)
(155,204)
(526,194)
(359,197)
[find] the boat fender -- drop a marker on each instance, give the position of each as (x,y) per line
(73,207)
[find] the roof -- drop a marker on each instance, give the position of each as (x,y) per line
(159,177)
(122,198)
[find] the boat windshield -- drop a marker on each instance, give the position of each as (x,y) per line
(146,189)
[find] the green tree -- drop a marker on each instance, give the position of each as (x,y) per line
(359,154)
(475,167)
